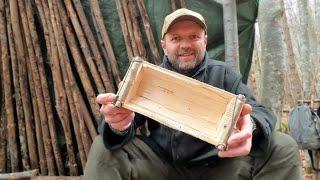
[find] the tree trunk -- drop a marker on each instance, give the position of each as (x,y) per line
(305,61)
(255,71)
(314,59)
(272,55)
(292,73)
(317,29)
(231,39)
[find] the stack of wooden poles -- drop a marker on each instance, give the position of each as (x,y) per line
(53,64)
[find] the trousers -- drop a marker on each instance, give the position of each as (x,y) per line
(137,161)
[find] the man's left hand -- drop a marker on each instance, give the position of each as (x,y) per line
(240,141)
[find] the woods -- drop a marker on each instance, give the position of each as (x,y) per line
(285,67)
(282,42)
(57,56)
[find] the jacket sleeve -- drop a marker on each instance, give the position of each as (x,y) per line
(113,141)
(263,117)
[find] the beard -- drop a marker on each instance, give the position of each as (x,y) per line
(185,67)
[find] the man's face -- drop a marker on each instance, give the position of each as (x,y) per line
(185,45)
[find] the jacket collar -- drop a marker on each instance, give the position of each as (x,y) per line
(197,70)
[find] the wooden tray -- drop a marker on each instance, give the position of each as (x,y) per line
(180,102)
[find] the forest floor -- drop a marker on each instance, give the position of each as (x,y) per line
(306,174)
(305,160)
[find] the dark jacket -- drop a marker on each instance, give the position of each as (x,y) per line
(183,149)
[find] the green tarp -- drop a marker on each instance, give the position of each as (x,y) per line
(213,14)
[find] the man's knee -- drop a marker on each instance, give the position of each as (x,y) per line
(282,140)
(282,160)
(97,148)
(98,154)
(284,149)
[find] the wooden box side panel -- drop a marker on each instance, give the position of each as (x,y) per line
(189,106)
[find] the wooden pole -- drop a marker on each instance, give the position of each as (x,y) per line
(32,64)
(124,28)
(93,46)
(173,5)
(38,129)
(136,30)
(31,138)
(102,48)
(84,45)
(44,85)
(183,3)
(8,161)
(148,30)
(56,73)
(23,80)
(85,136)
(78,98)
(86,117)
(63,112)
(20,175)
(71,84)
(75,121)
(8,114)
(21,122)
(106,40)
(22,131)
(44,25)
(135,50)
(3,131)
(75,51)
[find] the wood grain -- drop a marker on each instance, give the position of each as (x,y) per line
(180,102)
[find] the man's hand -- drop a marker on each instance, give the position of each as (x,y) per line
(240,141)
(118,118)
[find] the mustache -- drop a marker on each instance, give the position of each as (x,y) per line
(187,51)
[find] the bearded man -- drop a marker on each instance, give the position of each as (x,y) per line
(254,152)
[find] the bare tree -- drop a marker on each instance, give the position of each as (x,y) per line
(272,55)
(317,30)
(305,61)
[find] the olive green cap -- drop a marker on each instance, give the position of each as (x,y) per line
(182,14)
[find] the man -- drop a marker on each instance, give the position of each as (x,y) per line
(254,151)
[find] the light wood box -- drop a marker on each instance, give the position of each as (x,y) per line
(180,102)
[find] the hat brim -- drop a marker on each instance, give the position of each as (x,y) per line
(185,18)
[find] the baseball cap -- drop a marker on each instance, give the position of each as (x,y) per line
(182,14)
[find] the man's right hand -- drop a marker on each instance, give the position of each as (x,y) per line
(117,118)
